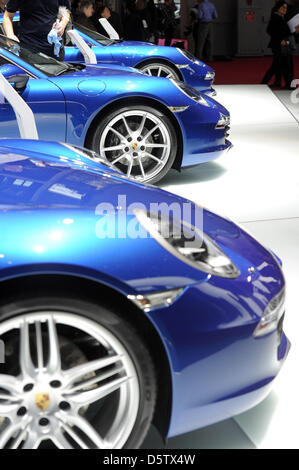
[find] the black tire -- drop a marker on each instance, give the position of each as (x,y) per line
(115,325)
(101,138)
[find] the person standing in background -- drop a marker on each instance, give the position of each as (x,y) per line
(282,64)
(153,21)
(207,13)
(85,16)
(37,19)
(168,20)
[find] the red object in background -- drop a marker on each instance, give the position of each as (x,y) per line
(250,16)
(249,3)
(245,70)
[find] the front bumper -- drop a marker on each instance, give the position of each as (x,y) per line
(218,368)
(207,155)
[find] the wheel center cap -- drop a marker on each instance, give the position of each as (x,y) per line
(42,401)
(134,145)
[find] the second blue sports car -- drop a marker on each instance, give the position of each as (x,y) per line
(143,125)
(154,60)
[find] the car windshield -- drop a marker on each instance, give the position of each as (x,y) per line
(47,65)
(99,38)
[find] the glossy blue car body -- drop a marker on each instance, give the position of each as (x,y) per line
(217,367)
(136,54)
(67,107)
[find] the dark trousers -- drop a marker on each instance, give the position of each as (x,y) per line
(168,33)
(205,40)
(282,67)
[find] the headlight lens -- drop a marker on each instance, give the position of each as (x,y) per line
(188,243)
(188,55)
(223,122)
(272,315)
(210,76)
(190,92)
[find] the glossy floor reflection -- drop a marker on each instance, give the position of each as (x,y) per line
(257,185)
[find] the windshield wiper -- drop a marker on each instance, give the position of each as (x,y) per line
(70,68)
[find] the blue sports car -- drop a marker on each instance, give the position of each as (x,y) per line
(142,125)
(123,305)
(154,60)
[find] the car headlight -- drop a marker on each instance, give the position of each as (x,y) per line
(272,315)
(210,76)
(188,55)
(190,92)
(188,243)
(223,122)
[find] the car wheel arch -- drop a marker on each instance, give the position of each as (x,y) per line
(145,101)
(65,285)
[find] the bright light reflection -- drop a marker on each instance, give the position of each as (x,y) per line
(55,236)
(68,221)
(39,249)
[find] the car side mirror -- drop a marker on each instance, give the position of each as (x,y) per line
(19,82)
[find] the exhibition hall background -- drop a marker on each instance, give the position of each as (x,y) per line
(234,32)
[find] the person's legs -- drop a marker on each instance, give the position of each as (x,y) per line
(202,36)
(287,69)
(274,69)
(168,36)
(209,42)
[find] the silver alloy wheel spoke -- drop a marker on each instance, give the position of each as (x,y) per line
(154,146)
(119,135)
(39,346)
(64,442)
(149,155)
(141,127)
(10,431)
(118,159)
(9,383)
(60,440)
(141,168)
(115,147)
(90,396)
(130,166)
(159,71)
(32,440)
(126,125)
(54,364)
(95,379)
(18,439)
(27,367)
(83,425)
(73,375)
(151,131)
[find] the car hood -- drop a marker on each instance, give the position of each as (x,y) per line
(46,189)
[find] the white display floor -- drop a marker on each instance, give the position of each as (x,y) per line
(257,185)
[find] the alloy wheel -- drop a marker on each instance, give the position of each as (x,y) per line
(73,394)
(138,143)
